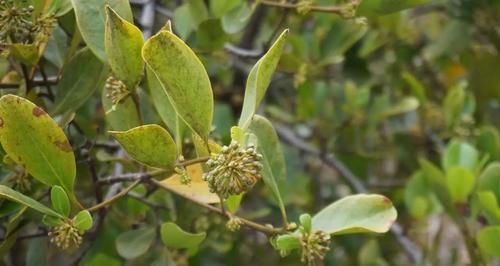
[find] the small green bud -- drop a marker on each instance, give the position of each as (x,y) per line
(234,224)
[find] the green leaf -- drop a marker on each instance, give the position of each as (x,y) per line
(76,86)
(236,19)
(273,160)
(90,17)
(123,116)
(287,243)
(164,106)
(436,180)
(459,153)
(490,179)
(221,7)
(356,214)
(151,145)
(184,79)
(305,222)
(488,142)
(33,140)
(83,220)
(57,46)
(487,240)
(123,42)
(133,244)
(488,202)
(210,35)
(60,200)
(417,195)
(51,221)
(173,236)
(10,194)
(460,182)
(259,79)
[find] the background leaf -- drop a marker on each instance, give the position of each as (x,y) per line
(33,140)
(90,16)
(133,244)
(173,236)
(487,239)
(75,86)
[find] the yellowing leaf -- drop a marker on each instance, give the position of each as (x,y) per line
(197,189)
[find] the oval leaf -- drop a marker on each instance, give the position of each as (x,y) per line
(183,78)
(487,240)
(123,42)
(60,200)
(10,194)
(460,182)
(356,214)
(83,220)
(151,145)
(462,154)
(33,140)
(133,244)
(259,79)
(75,86)
(90,17)
(173,236)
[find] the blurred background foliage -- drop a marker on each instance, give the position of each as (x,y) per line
(398,82)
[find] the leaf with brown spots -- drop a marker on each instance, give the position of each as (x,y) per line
(32,139)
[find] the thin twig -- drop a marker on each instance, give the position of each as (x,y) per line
(115,197)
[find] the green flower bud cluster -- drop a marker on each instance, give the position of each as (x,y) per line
(117,90)
(304,6)
(234,170)
(314,246)
(234,224)
(16,24)
(349,9)
(15,21)
(66,235)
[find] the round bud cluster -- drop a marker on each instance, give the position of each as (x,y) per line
(314,246)
(65,235)
(349,9)
(15,21)
(234,224)
(117,90)
(233,171)
(304,6)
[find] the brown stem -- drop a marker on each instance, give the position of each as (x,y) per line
(115,197)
